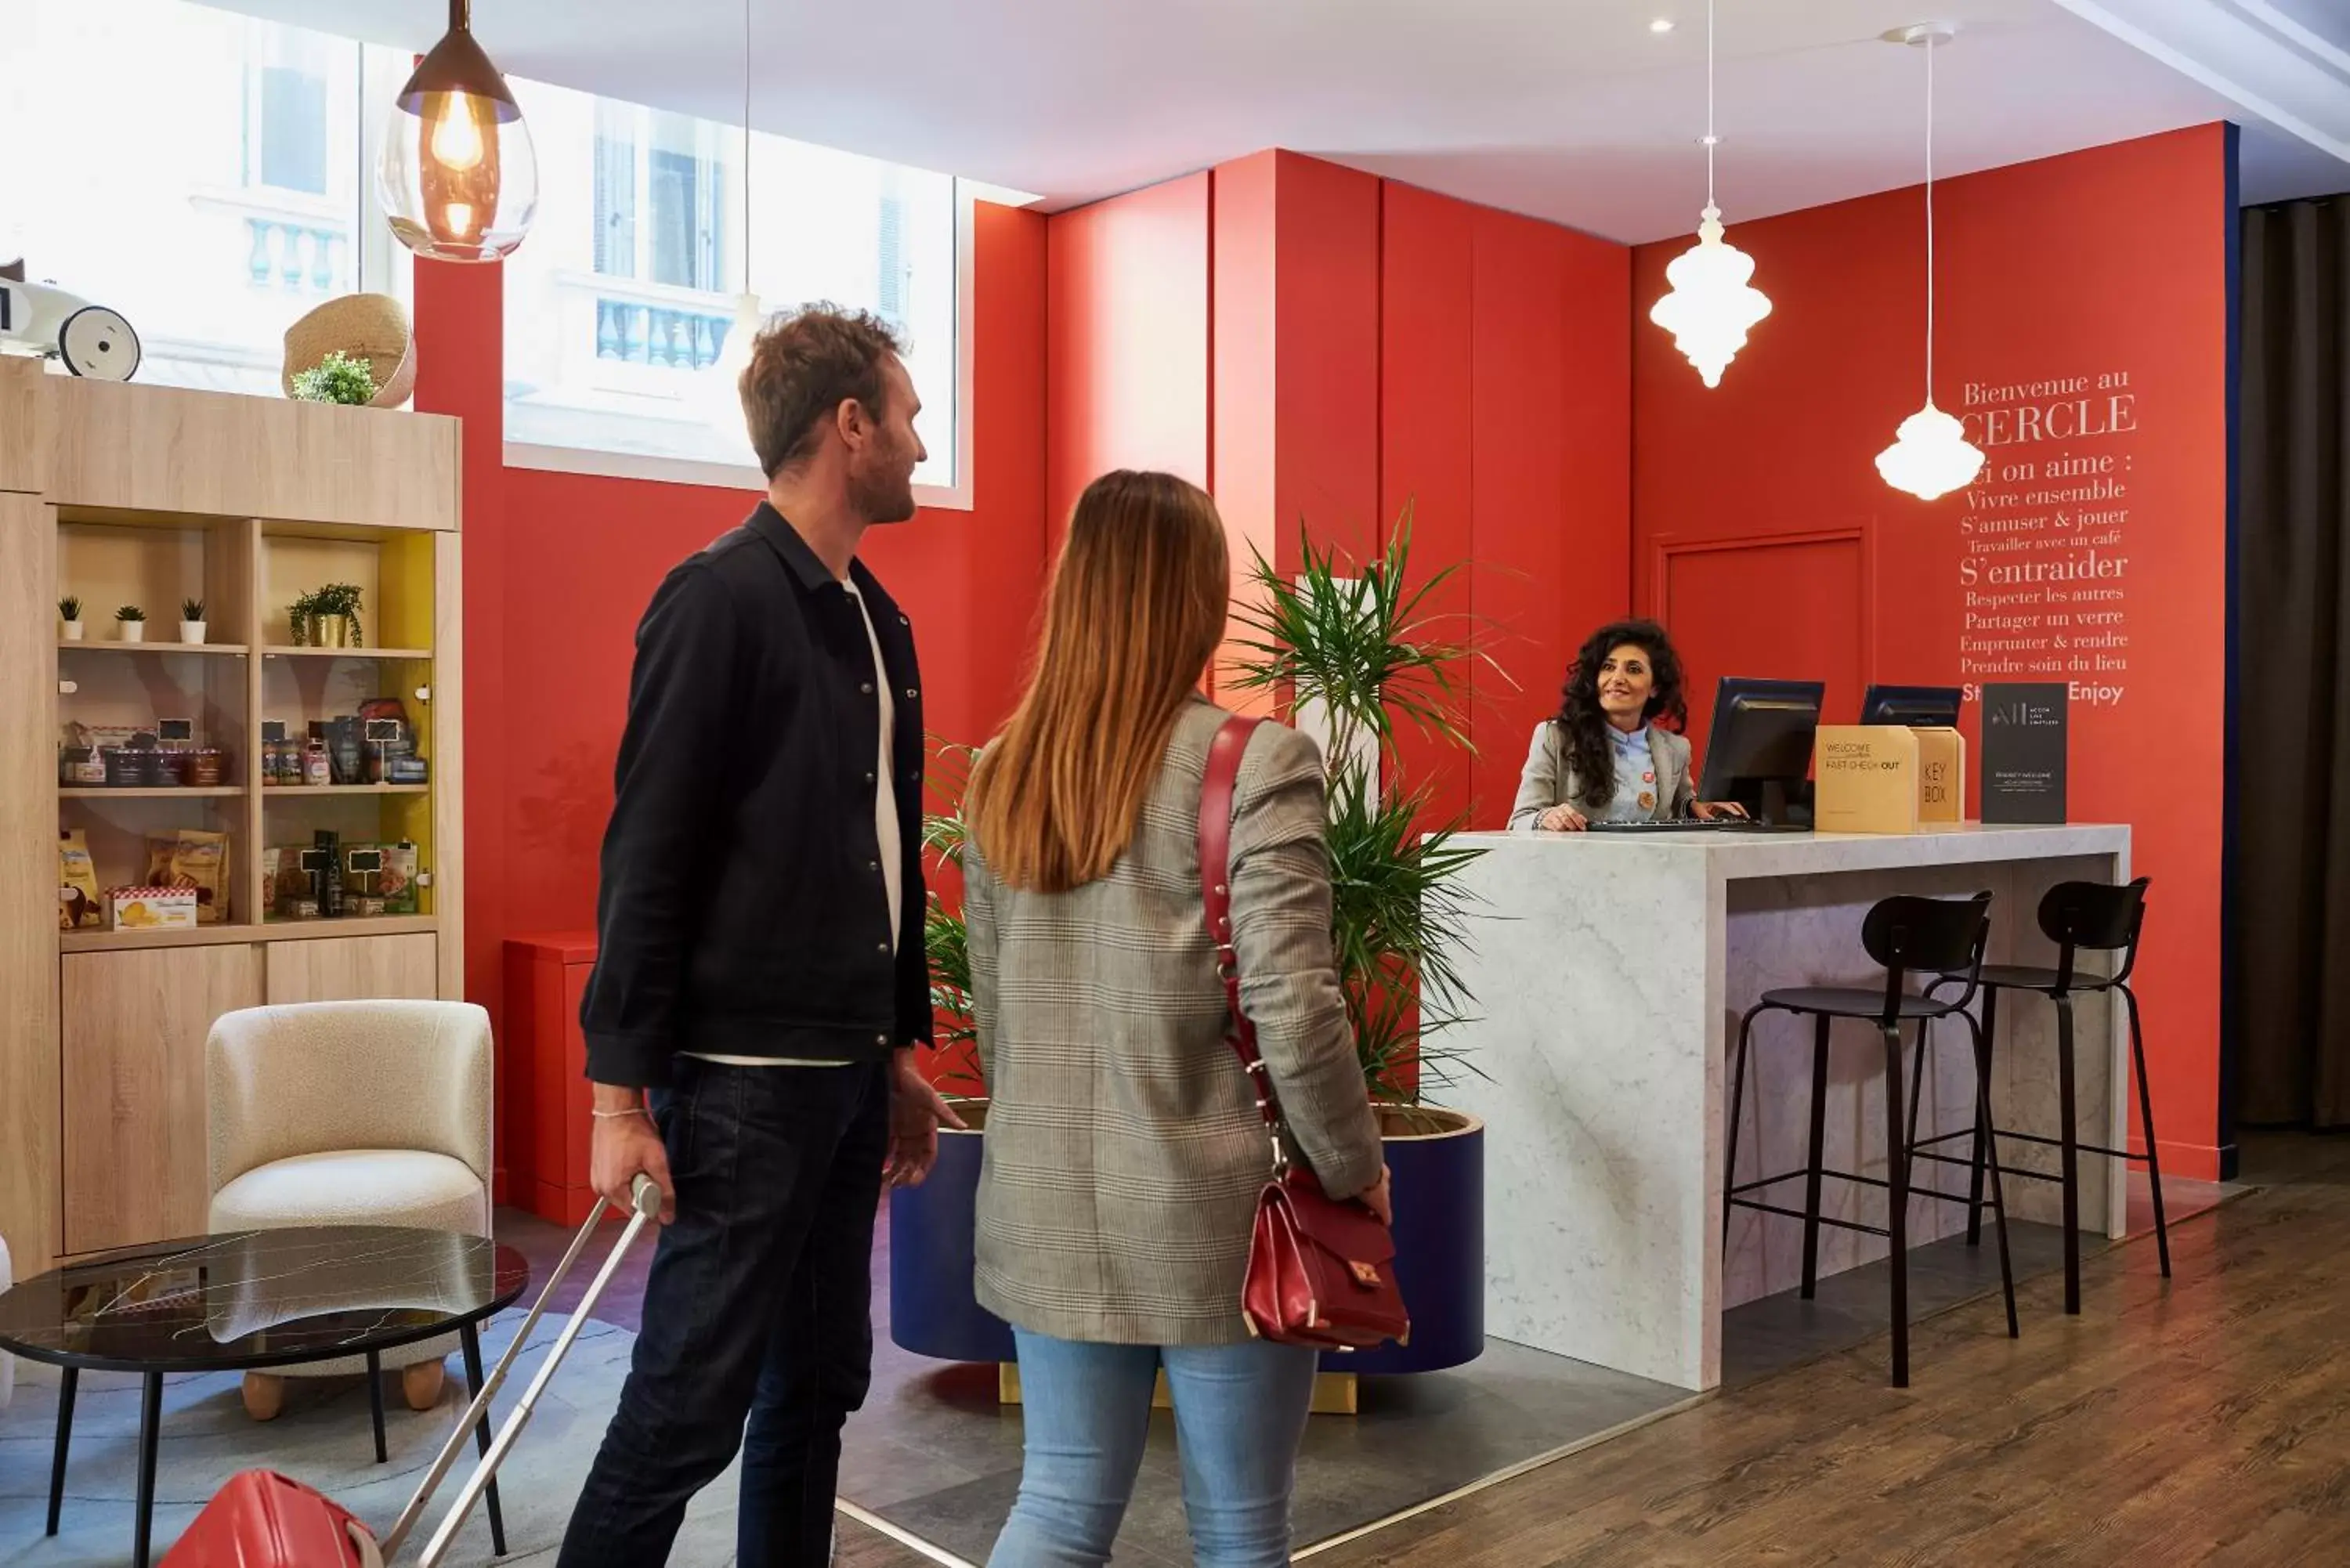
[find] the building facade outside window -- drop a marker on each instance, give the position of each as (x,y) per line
(260,205)
(618,305)
(213,240)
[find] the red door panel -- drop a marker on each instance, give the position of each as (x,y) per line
(1784,610)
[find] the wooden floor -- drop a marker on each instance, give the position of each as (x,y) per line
(2207,1421)
(2203,1421)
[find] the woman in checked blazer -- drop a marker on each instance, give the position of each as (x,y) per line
(1124,1150)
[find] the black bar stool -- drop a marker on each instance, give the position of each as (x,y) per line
(1906,935)
(2078,917)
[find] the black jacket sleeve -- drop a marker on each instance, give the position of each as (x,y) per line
(665,810)
(914,1013)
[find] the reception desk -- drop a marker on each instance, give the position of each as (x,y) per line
(1606,974)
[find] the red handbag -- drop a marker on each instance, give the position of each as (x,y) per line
(1321,1271)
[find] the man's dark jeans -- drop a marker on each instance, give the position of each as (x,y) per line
(762,1283)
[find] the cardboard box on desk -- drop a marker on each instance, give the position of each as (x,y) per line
(1889,778)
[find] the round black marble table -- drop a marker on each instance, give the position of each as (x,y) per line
(251,1301)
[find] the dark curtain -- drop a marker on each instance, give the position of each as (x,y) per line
(2292,897)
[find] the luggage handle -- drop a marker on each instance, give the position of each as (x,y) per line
(645,1200)
(370,1556)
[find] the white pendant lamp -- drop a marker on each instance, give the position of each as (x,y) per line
(722,382)
(1712,306)
(1930,455)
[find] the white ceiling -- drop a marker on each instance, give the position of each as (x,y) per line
(1569,109)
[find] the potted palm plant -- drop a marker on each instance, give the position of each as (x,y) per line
(70,621)
(1359,654)
(192,620)
(130,624)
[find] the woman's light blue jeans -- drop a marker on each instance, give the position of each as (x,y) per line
(1240,1414)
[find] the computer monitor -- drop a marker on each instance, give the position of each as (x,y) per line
(1919,707)
(1760,751)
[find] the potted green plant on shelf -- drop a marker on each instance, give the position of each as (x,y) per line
(337,378)
(1353,655)
(130,624)
(70,621)
(192,620)
(327,616)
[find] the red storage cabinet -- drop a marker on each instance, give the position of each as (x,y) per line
(547,1100)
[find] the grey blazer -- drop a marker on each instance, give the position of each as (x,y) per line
(1549,777)
(1124,1151)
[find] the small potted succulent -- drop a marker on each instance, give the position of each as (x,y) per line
(70,621)
(130,624)
(192,620)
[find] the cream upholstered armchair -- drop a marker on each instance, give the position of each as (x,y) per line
(351,1113)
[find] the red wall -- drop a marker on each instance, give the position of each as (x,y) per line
(559,567)
(1126,335)
(1371,346)
(1764,535)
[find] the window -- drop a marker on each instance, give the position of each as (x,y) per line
(213,239)
(288,78)
(668,168)
(618,305)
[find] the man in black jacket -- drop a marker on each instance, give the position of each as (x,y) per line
(760,982)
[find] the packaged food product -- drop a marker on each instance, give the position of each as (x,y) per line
(150,908)
(78,901)
(399,878)
(80,766)
(194,859)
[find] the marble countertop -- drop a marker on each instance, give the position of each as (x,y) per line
(259,1298)
(1739,855)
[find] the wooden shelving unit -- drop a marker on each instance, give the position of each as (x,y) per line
(269,931)
(130,495)
(192,649)
(275,652)
(160,792)
(283,792)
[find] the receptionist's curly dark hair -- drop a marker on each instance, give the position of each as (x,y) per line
(1586,726)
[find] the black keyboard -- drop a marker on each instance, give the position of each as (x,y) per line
(1714,825)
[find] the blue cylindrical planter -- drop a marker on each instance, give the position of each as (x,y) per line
(1440,1229)
(1439,1232)
(932,1309)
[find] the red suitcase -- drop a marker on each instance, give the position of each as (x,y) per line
(263,1520)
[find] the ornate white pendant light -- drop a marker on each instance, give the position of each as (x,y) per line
(1930,455)
(722,382)
(1712,306)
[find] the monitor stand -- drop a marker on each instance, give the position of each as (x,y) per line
(1776,801)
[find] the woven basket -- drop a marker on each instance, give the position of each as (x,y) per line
(371,326)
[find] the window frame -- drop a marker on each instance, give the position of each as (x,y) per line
(713,154)
(957,497)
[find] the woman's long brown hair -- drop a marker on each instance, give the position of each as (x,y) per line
(1136,608)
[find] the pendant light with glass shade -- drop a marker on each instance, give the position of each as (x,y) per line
(722,389)
(1930,455)
(1711,305)
(457,178)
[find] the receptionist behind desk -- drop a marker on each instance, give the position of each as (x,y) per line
(1605,758)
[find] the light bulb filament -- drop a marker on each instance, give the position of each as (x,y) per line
(456,133)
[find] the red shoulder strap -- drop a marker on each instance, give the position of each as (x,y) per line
(1216,789)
